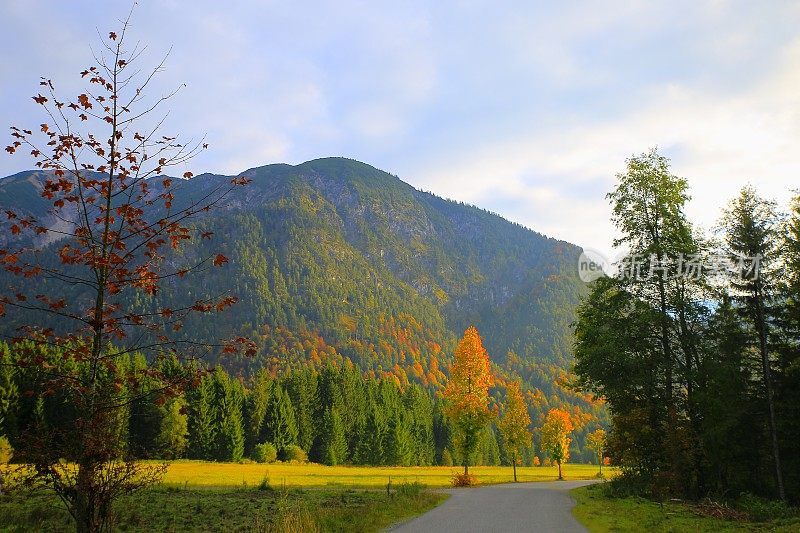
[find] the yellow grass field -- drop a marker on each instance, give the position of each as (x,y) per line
(198,474)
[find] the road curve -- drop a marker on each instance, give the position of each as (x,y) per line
(540,506)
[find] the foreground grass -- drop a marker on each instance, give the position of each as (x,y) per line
(197,474)
(231,510)
(600,514)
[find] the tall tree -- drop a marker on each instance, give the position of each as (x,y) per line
(751,224)
(280,425)
(514,423)
(467,393)
(117,225)
(555,436)
(334,443)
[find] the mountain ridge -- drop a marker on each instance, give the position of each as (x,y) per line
(334,259)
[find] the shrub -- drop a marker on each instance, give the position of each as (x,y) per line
(763,510)
(464,480)
(6,451)
(409,489)
(294,452)
(537,461)
(264,484)
(265,453)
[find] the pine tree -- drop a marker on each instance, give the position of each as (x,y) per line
(202,420)
(228,398)
(751,224)
(280,425)
(334,443)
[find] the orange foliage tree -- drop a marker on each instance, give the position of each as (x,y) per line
(555,436)
(467,393)
(120,225)
(513,424)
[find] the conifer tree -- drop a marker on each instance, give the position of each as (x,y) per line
(333,438)
(280,425)
(202,420)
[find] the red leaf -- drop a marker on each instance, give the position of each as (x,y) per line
(207,235)
(187,175)
(220,260)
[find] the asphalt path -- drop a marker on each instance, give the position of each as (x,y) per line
(540,506)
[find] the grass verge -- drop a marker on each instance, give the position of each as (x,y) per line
(231,510)
(601,513)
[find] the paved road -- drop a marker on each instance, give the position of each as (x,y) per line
(543,506)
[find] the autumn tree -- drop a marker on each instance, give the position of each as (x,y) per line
(514,422)
(118,223)
(555,436)
(596,441)
(467,393)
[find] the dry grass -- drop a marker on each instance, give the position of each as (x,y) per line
(198,474)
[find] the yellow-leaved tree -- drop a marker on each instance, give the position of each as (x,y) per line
(555,436)
(514,422)
(596,441)
(467,393)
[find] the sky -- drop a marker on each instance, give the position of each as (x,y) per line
(527,109)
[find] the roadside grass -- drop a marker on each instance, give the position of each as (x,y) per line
(230,510)
(601,513)
(198,474)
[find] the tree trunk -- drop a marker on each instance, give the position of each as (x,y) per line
(83,503)
(466,467)
(600,462)
(514,463)
(773,429)
(559,470)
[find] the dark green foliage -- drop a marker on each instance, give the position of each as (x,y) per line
(334,444)
(700,371)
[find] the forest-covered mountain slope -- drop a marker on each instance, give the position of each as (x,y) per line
(333,258)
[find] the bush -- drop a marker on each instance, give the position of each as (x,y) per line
(409,489)
(294,452)
(6,451)
(264,484)
(265,453)
(763,510)
(464,480)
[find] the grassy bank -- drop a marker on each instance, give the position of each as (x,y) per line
(601,513)
(196,474)
(228,510)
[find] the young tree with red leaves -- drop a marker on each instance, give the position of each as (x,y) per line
(118,228)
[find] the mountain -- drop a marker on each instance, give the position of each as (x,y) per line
(335,259)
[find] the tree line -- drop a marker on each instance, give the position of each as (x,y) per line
(335,415)
(695,341)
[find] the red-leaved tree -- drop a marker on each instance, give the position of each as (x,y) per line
(117,222)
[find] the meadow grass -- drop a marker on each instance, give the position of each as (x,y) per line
(601,513)
(198,474)
(228,510)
